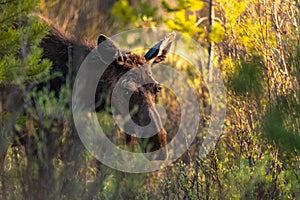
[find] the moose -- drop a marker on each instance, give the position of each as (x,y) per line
(66,51)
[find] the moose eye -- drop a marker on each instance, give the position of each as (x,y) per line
(157,88)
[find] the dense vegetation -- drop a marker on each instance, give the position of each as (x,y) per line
(255,43)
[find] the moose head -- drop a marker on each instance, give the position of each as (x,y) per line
(133,91)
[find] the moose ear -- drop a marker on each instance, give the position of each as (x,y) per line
(103,38)
(106,48)
(159,51)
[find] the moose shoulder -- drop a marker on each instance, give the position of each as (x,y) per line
(66,54)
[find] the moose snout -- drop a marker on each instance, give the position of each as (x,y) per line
(149,122)
(152,136)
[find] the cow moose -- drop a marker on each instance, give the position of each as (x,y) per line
(66,51)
